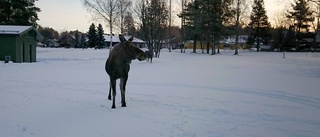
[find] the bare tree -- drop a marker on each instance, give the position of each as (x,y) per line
(280,20)
(153,15)
(316,23)
(237,26)
(170,21)
(105,9)
(241,7)
(315,7)
(124,7)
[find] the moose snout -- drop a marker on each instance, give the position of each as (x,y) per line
(142,57)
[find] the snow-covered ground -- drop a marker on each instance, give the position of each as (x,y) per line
(64,94)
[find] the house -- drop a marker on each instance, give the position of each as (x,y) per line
(166,43)
(67,41)
(18,43)
(115,39)
(190,43)
(52,43)
(231,40)
(308,41)
(224,43)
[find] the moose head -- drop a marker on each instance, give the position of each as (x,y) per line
(131,50)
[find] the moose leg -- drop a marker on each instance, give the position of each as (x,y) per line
(123,83)
(109,96)
(113,87)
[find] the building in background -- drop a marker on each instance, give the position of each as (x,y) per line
(18,43)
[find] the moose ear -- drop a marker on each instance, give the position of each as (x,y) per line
(122,39)
(131,38)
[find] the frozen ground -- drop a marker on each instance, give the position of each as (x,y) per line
(64,94)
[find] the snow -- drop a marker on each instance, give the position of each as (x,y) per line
(64,94)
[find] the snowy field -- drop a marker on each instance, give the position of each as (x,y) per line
(64,94)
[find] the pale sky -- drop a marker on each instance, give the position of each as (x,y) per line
(67,15)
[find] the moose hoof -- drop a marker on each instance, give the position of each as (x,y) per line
(109,98)
(124,105)
(113,107)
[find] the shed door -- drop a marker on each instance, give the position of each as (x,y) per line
(26,53)
(23,52)
(30,53)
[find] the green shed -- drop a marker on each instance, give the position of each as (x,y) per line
(18,43)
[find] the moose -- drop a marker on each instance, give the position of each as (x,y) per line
(118,66)
(149,54)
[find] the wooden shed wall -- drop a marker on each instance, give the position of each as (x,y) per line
(7,47)
(21,48)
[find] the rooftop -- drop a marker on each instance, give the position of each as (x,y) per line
(116,39)
(11,29)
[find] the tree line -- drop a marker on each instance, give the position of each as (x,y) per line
(210,20)
(207,21)
(93,38)
(149,20)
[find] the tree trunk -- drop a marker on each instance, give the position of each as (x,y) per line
(236,45)
(213,50)
(208,47)
(237,28)
(182,47)
(195,45)
(111,35)
(258,40)
(202,47)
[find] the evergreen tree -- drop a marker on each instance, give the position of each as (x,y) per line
(193,19)
(92,36)
(217,19)
(289,39)
(207,20)
(18,12)
(77,38)
(100,37)
(301,14)
(259,23)
(83,41)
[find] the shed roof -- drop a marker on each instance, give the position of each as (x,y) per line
(11,29)
(18,30)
